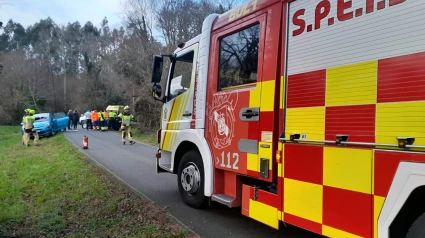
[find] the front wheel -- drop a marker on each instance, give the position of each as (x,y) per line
(54,131)
(417,230)
(190,179)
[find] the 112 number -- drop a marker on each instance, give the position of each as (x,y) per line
(235,164)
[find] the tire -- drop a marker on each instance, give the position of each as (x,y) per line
(417,230)
(190,179)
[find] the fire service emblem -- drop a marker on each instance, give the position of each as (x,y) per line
(222,119)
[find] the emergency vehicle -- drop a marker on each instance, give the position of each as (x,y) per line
(305,112)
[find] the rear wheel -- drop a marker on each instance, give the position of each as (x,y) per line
(190,179)
(417,230)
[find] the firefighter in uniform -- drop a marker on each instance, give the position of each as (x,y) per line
(34,132)
(28,121)
(27,113)
(126,118)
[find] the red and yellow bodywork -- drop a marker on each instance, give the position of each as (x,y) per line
(316,77)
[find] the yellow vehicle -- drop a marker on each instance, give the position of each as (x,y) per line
(115,108)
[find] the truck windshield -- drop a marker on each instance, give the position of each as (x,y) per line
(181,75)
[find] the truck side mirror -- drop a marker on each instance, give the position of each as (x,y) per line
(157,68)
(156,91)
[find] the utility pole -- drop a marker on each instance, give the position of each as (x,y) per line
(133,101)
(64,72)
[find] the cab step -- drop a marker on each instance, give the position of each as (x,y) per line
(166,167)
(223,199)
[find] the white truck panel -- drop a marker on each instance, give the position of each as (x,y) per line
(391,31)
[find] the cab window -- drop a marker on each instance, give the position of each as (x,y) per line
(239,58)
(181,75)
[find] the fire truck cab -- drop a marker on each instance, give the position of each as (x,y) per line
(305,112)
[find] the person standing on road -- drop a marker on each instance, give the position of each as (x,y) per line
(75,118)
(102,120)
(111,121)
(70,119)
(127,118)
(95,119)
(88,120)
(106,120)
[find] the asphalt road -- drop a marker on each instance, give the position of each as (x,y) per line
(135,165)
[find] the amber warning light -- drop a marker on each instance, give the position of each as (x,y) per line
(278,156)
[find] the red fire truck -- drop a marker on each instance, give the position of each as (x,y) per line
(306,112)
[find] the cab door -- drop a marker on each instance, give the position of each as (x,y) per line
(177,110)
(234,96)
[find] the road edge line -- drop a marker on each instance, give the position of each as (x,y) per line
(128,185)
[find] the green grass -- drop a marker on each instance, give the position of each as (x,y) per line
(146,138)
(53,191)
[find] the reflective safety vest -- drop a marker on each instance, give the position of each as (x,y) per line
(28,122)
(101,116)
(106,115)
(126,119)
(112,114)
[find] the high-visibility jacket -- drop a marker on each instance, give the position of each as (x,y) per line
(94,116)
(101,116)
(28,122)
(112,114)
(106,115)
(126,119)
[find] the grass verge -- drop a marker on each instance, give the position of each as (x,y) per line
(53,191)
(148,138)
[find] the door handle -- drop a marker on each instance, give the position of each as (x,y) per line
(187,114)
(249,114)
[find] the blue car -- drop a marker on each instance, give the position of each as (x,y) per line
(61,120)
(48,124)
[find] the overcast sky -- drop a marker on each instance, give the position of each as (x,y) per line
(27,12)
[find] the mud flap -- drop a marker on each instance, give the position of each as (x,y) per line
(159,169)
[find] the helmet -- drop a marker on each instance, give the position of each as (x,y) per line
(32,112)
(126,108)
(27,110)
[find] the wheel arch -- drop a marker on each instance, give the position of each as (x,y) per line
(408,187)
(182,149)
(412,209)
(192,140)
